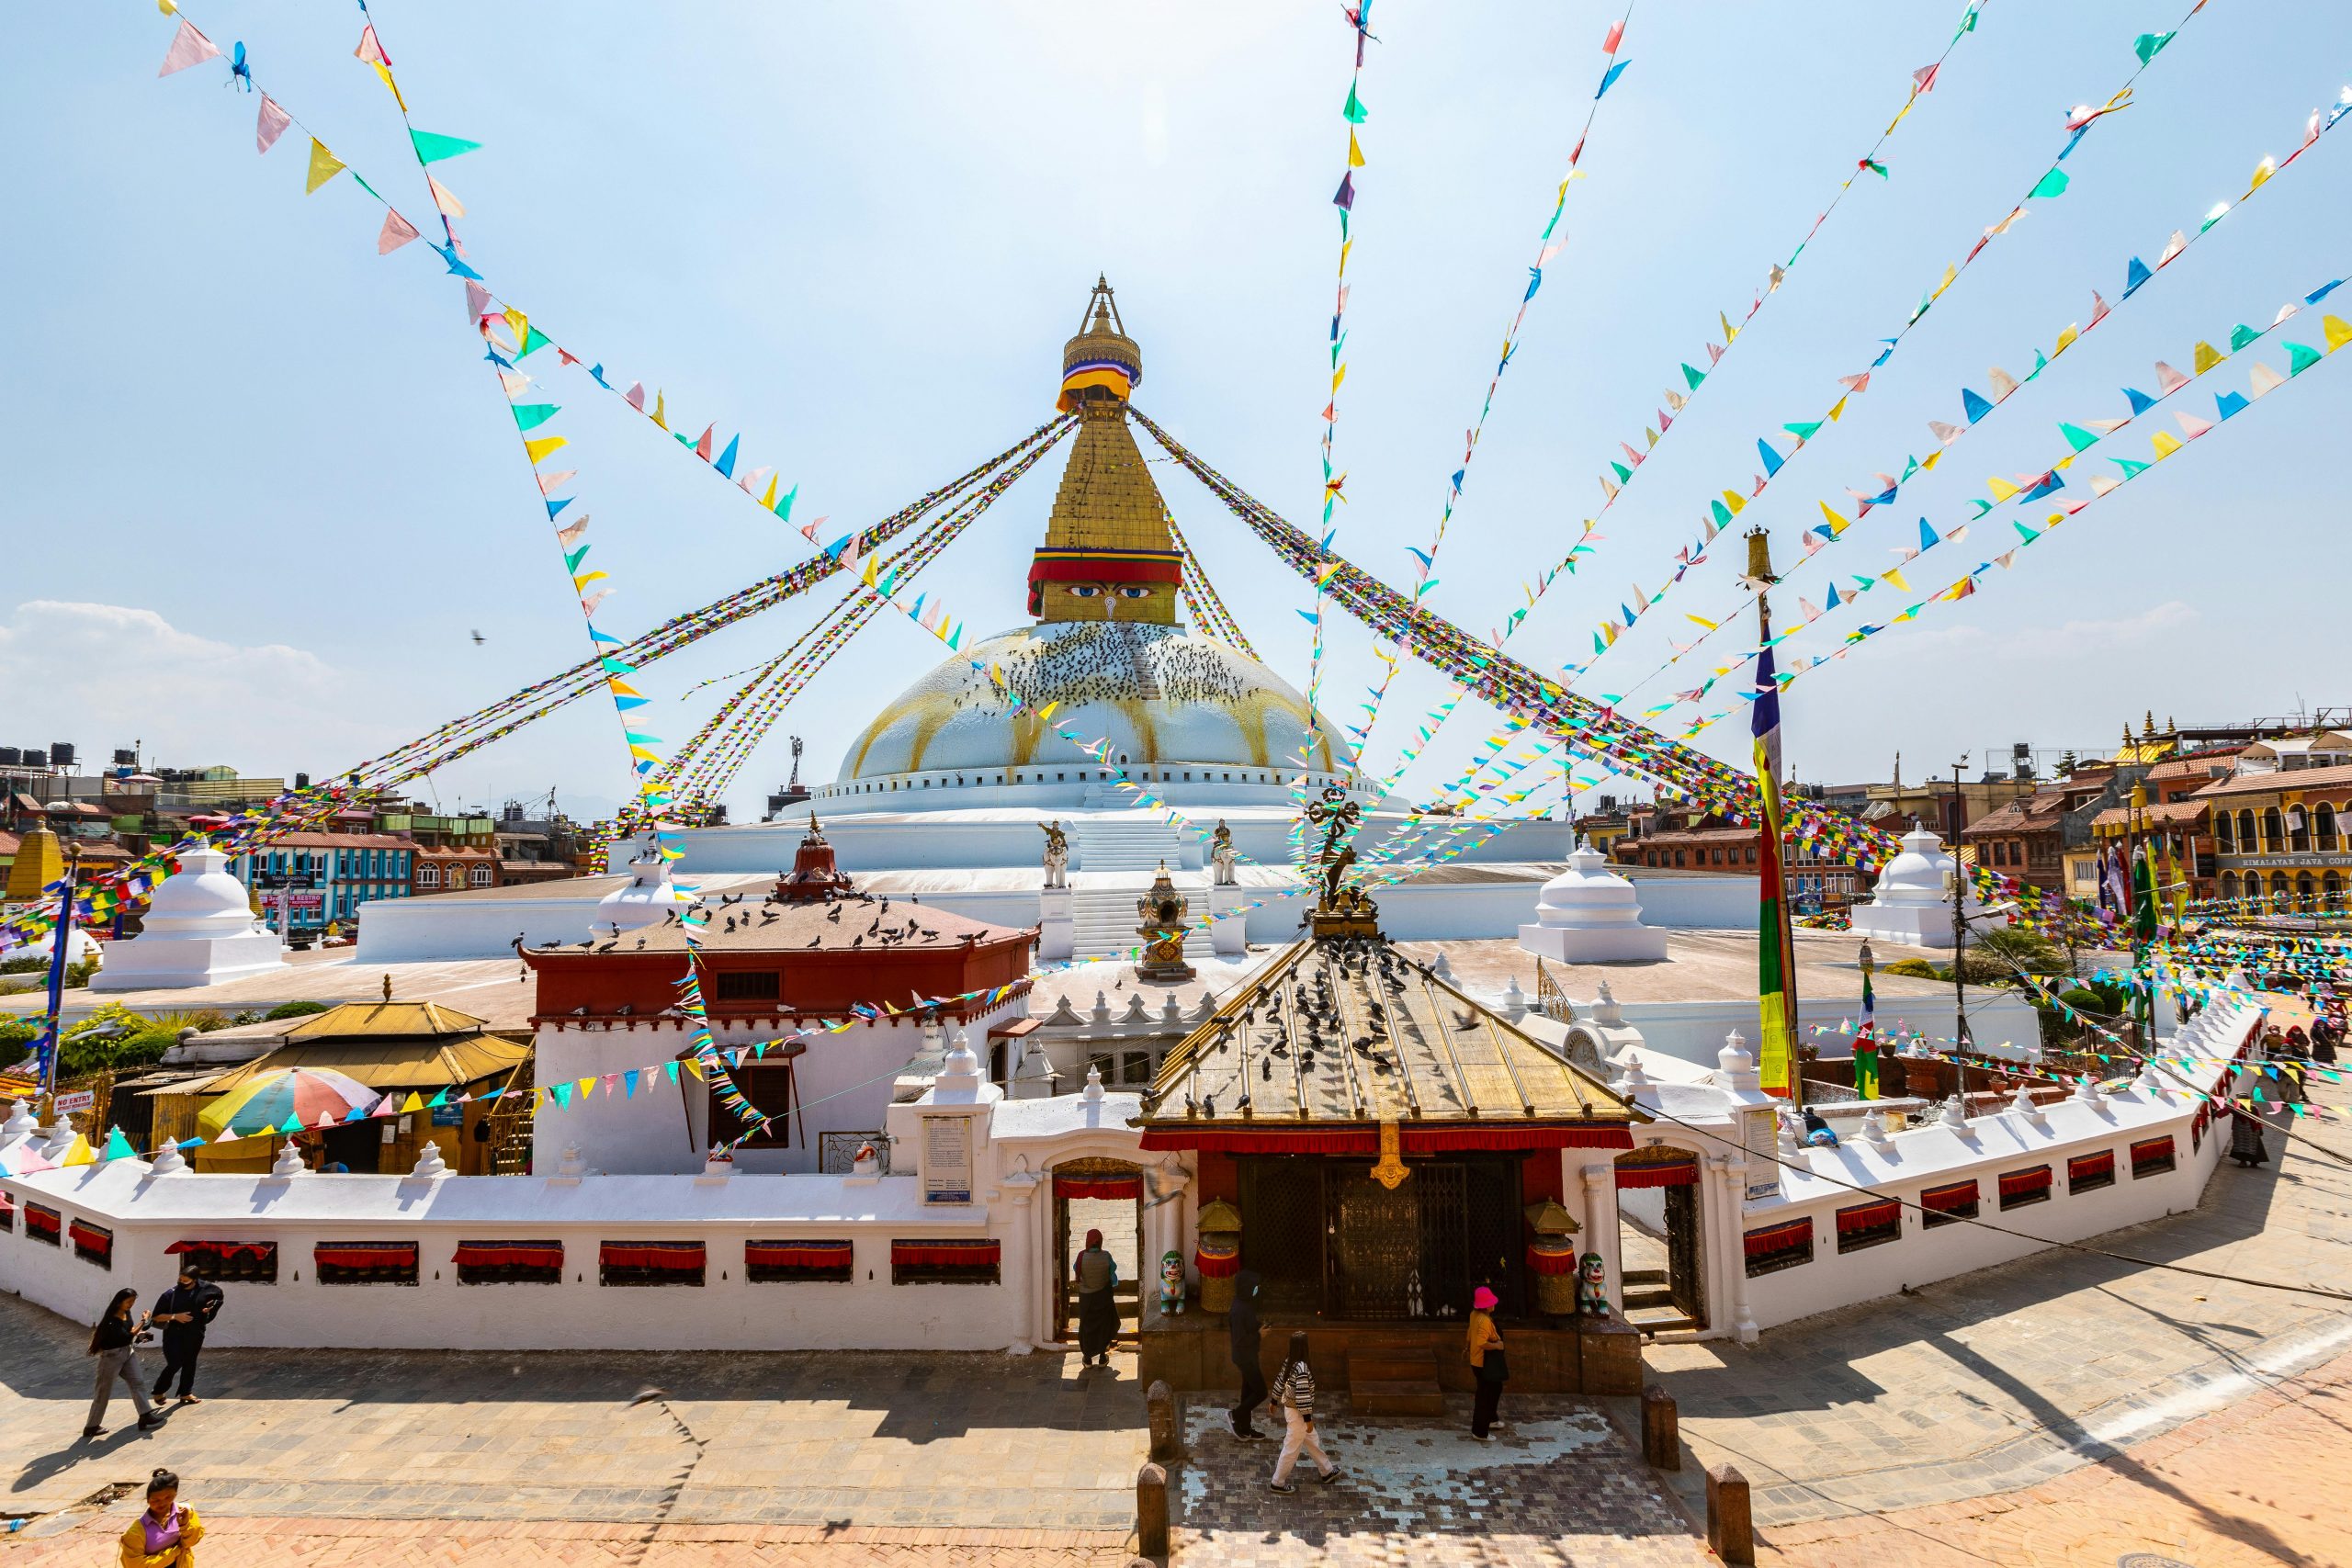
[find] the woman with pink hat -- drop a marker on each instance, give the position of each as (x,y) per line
(1487,1362)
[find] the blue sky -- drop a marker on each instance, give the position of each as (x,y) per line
(260,488)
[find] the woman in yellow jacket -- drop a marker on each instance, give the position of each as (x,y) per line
(165,1534)
(1487,1362)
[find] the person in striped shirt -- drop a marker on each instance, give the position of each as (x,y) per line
(1294,1394)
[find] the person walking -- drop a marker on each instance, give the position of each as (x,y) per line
(114,1342)
(1294,1397)
(165,1534)
(1487,1362)
(1098,1310)
(185,1311)
(1243,1331)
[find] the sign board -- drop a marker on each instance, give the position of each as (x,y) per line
(267,881)
(448,1116)
(946,1160)
(1759,1136)
(80,1100)
(304,906)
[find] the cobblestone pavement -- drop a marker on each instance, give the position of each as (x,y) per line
(1557,1486)
(2251,1486)
(936,1448)
(2005,1380)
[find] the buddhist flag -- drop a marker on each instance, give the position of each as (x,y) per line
(1775,982)
(1866,1043)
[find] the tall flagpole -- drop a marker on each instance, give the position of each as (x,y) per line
(61,941)
(1776,988)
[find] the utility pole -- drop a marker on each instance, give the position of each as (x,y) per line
(1960,1037)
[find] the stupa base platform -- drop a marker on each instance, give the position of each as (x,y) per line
(1548,1355)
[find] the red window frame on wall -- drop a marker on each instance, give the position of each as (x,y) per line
(92,1244)
(631,1263)
(2154,1157)
(365,1263)
(2089,1173)
(1861,1225)
(44,1225)
(799,1262)
(509,1262)
(231,1262)
(1948,1205)
(2021,1188)
(1775,1248)
(946,1261)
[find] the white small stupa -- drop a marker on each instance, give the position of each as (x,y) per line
(648,899)
(1588,914)
(199,931)
(1912,903)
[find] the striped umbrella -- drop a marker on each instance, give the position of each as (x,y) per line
(302,1093)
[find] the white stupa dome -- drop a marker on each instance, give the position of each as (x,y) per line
(646,899)
(1161,695)
(199,930)
(1590,914)
(1917,876)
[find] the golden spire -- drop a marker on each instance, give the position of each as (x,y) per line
(1108,555)
(40,861)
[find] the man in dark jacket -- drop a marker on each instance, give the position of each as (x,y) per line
(184,1312)
(1244,1332)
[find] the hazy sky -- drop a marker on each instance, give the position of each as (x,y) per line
(259,487)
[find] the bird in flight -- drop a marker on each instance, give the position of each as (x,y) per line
(479,640)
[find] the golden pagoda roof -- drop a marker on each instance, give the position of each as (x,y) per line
(385,1020)
(1339,1034)
(40,860)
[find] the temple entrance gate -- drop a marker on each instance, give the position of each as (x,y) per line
(1661,1240)
(1104,1195)
(1327,1236)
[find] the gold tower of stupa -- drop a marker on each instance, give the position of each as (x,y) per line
(1108,555)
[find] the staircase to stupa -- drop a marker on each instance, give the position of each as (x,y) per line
(1127,841)
(1102,921)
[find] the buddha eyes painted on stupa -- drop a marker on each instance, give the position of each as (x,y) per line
(1099,589)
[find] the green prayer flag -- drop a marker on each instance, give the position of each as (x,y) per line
(2054,182)
(2300,358)
(2148,45)
(1354,111)
(1692,378)
(2077,438)
(1803,429)
(2240,335)
(533,339)
(366,186)
(530,416)
(432,147)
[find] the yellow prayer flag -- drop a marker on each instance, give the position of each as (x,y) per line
(1835,522)
(1355,152)
(1999,488)
(1932,458)
(587,1086)
(2207,357)
(324,166)
(539,449)
(1837,409)
(1892,575)
(410,1104)
(1736,501)
(624,689)
(1339,376)
(659,408)
(2065,341)
(80,1154)
(390,86)
(2338,334)
(2165,443)
(1702,620)
(2262,173)
(768,499)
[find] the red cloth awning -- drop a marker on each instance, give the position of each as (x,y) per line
(1870,1216)
(677,1256)
(2090,1168)
(799,1253)
(509,1254)
(1115,1188)
(94,1239)
(365,1254)
(1949,1198)
(2021,1181)
(43,1221)
(263,1250)
(1412,1140)
(1540,1262)
(1684,1172)
(944,1253)
(2148,1149)
(1779,1239)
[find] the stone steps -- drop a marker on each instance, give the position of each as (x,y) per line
(1394,1377)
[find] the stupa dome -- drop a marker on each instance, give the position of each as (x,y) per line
(1159,693)
(1917,874)
(1590,914)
